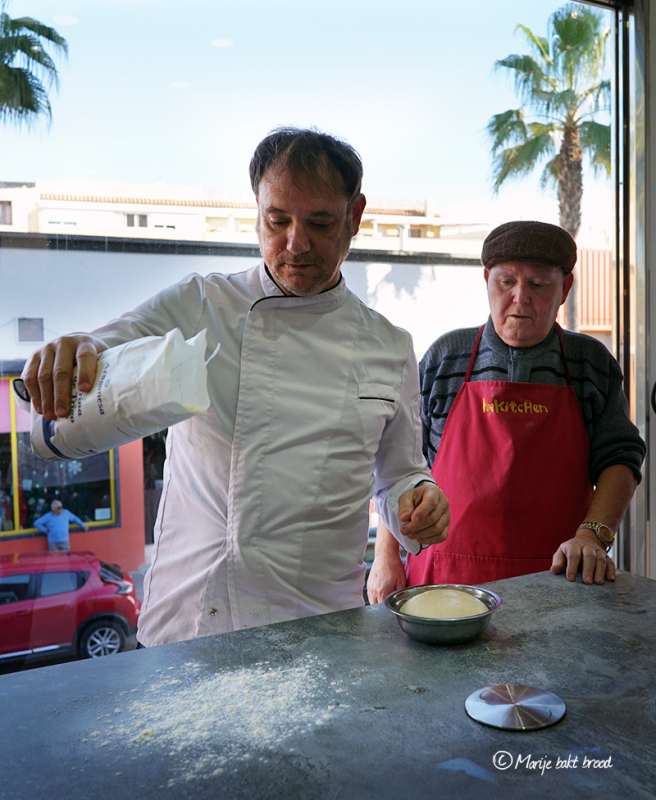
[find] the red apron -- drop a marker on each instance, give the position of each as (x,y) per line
(514,463)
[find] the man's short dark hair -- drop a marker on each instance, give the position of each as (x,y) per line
(309,155)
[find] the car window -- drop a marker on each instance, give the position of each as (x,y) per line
(14,588)
(58,583)
(110,572)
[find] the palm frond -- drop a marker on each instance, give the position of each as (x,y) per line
(527,74)
(540,44)
(506,129)
(549,176)
(538,129)
(595,140)
(597,97)
(25,50)
(42,32)
(578,42)
(517,161)
(22,96)
(564,103)
(25,66)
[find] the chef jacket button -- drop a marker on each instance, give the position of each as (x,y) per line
(213,612)
(256,616)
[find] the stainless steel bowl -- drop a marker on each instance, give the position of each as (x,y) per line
(443,631)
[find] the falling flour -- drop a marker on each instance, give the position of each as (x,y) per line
(208,723)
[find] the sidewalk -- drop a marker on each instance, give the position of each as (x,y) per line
(138,576)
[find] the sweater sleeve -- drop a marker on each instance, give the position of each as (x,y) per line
(39,525)
(614,439)
(442,372)
(76,520)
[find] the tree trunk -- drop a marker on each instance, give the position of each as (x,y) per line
(570,192)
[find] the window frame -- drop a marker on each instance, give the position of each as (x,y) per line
(6,213)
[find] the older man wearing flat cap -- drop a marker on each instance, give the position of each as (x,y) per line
(527,430)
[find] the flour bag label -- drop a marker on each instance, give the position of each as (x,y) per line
(141,387)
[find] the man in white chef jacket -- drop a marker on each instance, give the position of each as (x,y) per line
(314,409)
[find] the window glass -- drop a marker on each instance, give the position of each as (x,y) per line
(28,486)
(6,508)
(126,210)
(110,572)
(82,486)
(58,583)
(30,329)
(14,588)
(5,213)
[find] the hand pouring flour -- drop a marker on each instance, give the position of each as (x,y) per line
(141,387)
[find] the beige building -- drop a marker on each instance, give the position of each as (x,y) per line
(408,230)
(158,211)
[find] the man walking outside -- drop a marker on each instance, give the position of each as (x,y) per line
(55,524)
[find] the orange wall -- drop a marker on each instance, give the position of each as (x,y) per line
(594,282)
(123,546)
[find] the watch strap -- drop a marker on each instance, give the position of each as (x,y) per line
(596,527)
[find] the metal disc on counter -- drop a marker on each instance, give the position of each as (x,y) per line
(513,707)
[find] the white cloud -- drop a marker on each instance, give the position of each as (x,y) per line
(180,85)
(221,42)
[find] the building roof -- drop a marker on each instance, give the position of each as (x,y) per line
(218,203)
(156,201)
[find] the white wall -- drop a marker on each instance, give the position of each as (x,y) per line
(80,290)
(425,300)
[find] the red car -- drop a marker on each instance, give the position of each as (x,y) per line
(57,602)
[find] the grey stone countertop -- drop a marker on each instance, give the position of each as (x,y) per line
(345,705)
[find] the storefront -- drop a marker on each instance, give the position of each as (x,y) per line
(105,491)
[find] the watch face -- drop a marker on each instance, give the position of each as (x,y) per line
(605,534)
(601,531)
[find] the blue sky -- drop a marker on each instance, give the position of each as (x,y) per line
(181,93)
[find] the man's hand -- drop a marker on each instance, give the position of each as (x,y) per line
(586,550)
(424,514)
(387,575)
(48,374)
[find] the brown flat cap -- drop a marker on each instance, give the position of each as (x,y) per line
(532,242)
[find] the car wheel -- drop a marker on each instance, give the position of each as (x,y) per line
(101,638)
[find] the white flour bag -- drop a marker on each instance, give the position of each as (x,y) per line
(141,387)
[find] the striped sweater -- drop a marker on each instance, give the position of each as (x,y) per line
(596,377)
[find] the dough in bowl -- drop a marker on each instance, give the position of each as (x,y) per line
(443,604)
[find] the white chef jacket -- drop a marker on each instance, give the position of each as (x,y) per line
(264,508)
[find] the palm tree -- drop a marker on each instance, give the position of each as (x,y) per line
(26,69)
(562,87)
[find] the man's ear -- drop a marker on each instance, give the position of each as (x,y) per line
(357,210)
(567,285)
(486,274)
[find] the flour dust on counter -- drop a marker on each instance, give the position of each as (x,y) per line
(210,725)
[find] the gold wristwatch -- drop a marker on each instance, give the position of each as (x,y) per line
(602,532)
